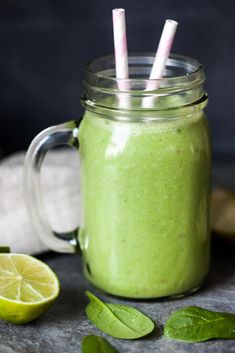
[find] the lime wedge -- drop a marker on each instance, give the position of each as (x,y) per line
(223,213)
(28,288)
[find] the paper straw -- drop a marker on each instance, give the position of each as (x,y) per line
(162,54)
(120,49)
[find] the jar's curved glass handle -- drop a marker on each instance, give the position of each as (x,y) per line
(63,134)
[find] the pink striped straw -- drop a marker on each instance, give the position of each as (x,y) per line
(120,49)
(162,54)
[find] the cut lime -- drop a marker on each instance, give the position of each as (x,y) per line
(28,287)
(223,213)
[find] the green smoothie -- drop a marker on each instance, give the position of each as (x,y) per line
(145,192)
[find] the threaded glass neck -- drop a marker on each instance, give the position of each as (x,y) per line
(181,86)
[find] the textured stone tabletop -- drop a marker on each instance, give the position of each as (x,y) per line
(62,328)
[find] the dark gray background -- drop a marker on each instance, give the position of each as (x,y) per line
(44,45)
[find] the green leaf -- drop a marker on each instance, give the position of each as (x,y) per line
(96,344)
(4,249)
(119,321)
(195,324)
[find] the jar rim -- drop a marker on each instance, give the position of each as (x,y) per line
(100,72)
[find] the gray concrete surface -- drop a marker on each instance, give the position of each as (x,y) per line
(63,327)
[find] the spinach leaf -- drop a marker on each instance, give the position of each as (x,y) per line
(119,321)
(96,344)
(4,249)
(195,324)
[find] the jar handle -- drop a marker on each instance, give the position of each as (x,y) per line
(63,134)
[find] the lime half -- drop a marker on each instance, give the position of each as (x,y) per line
(28,287)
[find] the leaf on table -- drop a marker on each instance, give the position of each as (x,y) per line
(195,324)
(5,249)
(120,321)
(96,344)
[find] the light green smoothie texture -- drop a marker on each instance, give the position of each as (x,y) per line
(145,190)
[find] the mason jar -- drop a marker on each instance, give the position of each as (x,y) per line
(145,179)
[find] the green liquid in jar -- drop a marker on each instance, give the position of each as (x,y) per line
(145,190)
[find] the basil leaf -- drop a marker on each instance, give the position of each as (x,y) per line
(195,324)
(119,321)
(96,344)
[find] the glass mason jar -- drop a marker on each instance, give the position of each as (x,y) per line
(145,179)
